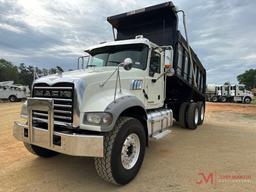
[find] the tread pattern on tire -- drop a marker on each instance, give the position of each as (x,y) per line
(103,165)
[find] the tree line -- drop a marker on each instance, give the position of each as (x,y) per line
(21,74)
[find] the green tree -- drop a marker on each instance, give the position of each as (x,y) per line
(22,74)
(52,71)
(45,72)
(8,71)
(248,78)
(25,74)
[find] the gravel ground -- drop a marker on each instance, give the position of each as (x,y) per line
(218,156)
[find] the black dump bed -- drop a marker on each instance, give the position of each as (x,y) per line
(159,24)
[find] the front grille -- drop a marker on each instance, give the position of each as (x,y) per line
(62,94)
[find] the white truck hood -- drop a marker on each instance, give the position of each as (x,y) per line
(71,76)
(89,92)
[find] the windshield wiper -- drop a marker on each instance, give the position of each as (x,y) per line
(117,62)
(91,65)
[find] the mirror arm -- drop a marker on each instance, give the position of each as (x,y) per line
(124,64)
(161,75)
(155,80)
(105,81)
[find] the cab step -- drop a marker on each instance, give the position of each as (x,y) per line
(162,134)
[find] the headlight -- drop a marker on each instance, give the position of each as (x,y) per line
(97,118)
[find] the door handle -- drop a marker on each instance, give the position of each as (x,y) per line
(154,80)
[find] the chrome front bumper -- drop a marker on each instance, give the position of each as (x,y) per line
(70,144)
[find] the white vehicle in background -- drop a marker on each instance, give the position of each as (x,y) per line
(228,93)
(12,92)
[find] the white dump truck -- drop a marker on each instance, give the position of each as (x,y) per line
(129,92)
(12,92)
(228,93)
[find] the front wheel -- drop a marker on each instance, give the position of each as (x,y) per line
(124,149)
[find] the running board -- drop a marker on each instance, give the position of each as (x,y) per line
(160,135)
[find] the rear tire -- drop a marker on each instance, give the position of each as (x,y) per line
(192,116)
(39,151)
(124,149)
(214,99)
(183,114)
(201,107)
(247,100)
(223,99)
(12,98)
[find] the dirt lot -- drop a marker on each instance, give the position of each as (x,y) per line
(218,156)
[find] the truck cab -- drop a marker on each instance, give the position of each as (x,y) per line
(230,93)
(148,65)
(241,94)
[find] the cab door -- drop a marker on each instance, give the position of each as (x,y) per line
(155,82)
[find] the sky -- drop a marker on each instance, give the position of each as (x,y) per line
(51,33)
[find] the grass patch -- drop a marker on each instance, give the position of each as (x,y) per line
(254,100)
(248,116)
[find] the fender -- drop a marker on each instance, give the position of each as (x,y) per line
(120,105)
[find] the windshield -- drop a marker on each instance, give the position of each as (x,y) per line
(113,55)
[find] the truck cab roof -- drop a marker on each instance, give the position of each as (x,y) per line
(139,40)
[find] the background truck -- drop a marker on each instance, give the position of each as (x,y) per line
(12,92)
(128,93)
(228,93)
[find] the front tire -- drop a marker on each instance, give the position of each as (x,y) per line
(39,151)
(124,149)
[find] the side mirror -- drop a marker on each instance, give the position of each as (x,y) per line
(127,64)
(168,55)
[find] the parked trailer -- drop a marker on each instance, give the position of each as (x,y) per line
(127,94)
(12,92)
(228,93)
